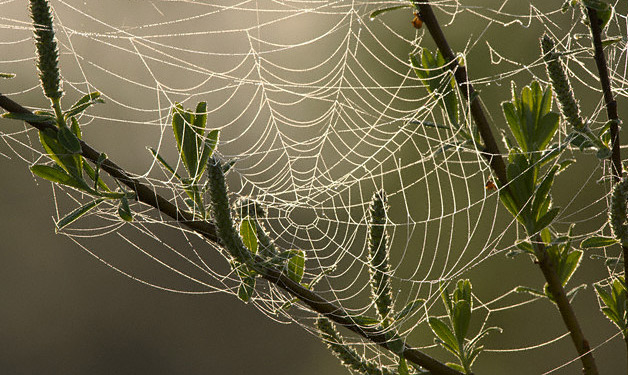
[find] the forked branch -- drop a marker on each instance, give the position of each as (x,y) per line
(611,110)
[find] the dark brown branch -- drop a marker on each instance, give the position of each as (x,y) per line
(312,299)
(611,106)
(567,313)
(492,153)
(497,164)
(143,192)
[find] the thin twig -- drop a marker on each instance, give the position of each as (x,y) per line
(497,164)
(611,112)
(144,193)
(567,313)
(611,103)
(491,151)
(312,299)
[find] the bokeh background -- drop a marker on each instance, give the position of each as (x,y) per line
(65,312)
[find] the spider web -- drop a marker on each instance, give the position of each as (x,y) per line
(318,106)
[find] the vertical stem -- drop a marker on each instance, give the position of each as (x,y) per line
(611,104)
(492,152)
(497,164)
(56,105)
(564,307)
(611,108)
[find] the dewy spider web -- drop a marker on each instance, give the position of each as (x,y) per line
(319,108)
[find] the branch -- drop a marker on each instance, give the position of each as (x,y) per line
(491,152)
(144,193)
(554,285)
(312,299)
(611,107)
(611,104)
(497,164)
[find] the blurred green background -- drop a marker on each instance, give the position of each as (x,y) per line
(64,312)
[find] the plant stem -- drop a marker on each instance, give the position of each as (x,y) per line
(497,164)
(611,107)
(491,152)
(555,287)
(207,229)
(611,104)
(143,193)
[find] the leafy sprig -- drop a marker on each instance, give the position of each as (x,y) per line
(452,334)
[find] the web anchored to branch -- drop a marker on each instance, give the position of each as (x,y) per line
(318,107)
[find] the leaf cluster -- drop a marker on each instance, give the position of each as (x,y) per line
(452,335)
(615,303)
(533,125)
(195,148)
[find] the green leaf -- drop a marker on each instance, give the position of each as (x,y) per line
(187,139)
(522,181)
(402,368)
(612,316)
(446,298)
(209,146)
(569,265)
(385,10)
(603,152)
(444,333)
(164,163)
(75,127)
(461,319)
(7,75)
(366,321)
(463,291)
(246,289)
(69,140)
(615,303)
(473,355)
(542,193)
(509,202)
(514,123)
(409,309)
(124,211)
(71,163)
(456,367)
(77,213)
(199,120)
(598,241)
(295,267)
(59,176)
(564,165)
(531,291)
(94,176)
(226,167)
(438,81)
(525,247)
(480,335)
(393,342)
(546,129)
(30,117)
(603,10)
(605,296)
(82,104)
(572,293)
(547,219)
(248,232)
